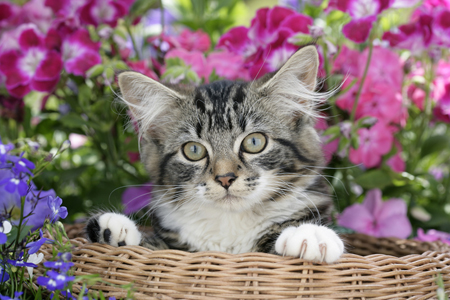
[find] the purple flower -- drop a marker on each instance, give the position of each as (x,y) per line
(58,211)
(16,296)
(65,256)
(4,149)
(21,165)
(55,281)
(135,198)
(59,265)
(377,218)
(21,263)
(4,276)
(3,238)
(34,247)
(14,184)
(433,235)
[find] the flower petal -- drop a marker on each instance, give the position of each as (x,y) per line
(358,218)
(358,30)
(373,202)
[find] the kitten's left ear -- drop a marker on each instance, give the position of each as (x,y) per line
(293,85)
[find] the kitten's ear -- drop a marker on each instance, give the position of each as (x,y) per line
(151,103)
(293,85)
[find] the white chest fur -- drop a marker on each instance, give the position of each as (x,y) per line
(208,228)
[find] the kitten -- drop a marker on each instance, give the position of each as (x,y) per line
(235,166)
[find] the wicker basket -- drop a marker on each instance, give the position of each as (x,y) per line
(173,274)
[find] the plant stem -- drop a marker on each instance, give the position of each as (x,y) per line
(127,26)
(363,79)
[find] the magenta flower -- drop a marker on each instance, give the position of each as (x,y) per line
(9,14)
(143,67)
(373,144)
(441,28)
(195,59)
(136,198)
(37,13)
(266,45)
(328,147)
(442,110)
(80,53)
(415,36)
(433,235)
(31,67)
(197,40)
(396,162)
(227,65)
(377,217)
(96,12)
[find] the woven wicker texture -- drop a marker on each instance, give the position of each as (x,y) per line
(172,274)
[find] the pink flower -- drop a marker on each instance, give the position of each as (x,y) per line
(328,147)
(96,12)
(197,40)
(136,198)
(373,144)
(416,95)
(396,162)
(377,218)
(227,65)
(358,30)
(33,66)
(266,44)
(347,62)
(195,59)
(37,13)
(442,109)
(9,15)
(415,36)
(385,67)
(143,67)
(433,235)
(441,27)
(80,53)
(77,140)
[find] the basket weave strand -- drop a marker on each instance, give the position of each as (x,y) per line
(172,274)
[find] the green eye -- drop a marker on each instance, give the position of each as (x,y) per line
(254,143)
(194,151)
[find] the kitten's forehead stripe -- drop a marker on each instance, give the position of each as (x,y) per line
(300,157)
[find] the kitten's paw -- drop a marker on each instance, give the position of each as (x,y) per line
(113,229)
(310,242)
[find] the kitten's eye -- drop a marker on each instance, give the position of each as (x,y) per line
(254,143)
(194,151)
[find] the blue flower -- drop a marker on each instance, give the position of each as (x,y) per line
(67,294)
(65,256)
(13,184)
(59,265)
(4,149)
(58,211)
(4,276)
(55,281)
(34,247)
(21,165)
(3,238)
(21,263)
(16,296)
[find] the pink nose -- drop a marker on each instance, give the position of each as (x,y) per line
(226,180)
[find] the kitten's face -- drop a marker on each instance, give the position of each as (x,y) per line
(230,149)
(227,144)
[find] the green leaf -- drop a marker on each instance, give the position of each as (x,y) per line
(374,179)
(72,120)
(84,95)
(12,236)
(95,71)
(436,143)
(139,7)
(174,62)
(120,65)
(332,130)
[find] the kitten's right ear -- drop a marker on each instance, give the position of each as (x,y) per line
(151,103)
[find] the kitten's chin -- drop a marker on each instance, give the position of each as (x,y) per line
(233,203)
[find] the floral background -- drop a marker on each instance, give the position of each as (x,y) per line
(66,140)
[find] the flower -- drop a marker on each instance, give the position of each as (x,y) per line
(16,296)
(80,53)
(13,185)
(4,276)
(432,236)
(197,40)
(143,67)
(31,66)
(35,259)
(227,65)
(266,45)
(59,265)
(77,140)
(195,59)
(6,227)
(373,144)
(136,198)
(57,210)
(96,12)
(34,247)
(377,218)
(55,281)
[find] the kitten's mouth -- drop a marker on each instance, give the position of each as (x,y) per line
(229,197)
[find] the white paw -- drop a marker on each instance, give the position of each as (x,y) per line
(118,230)
(310,242)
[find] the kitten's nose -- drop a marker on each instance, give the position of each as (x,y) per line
(226,180)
